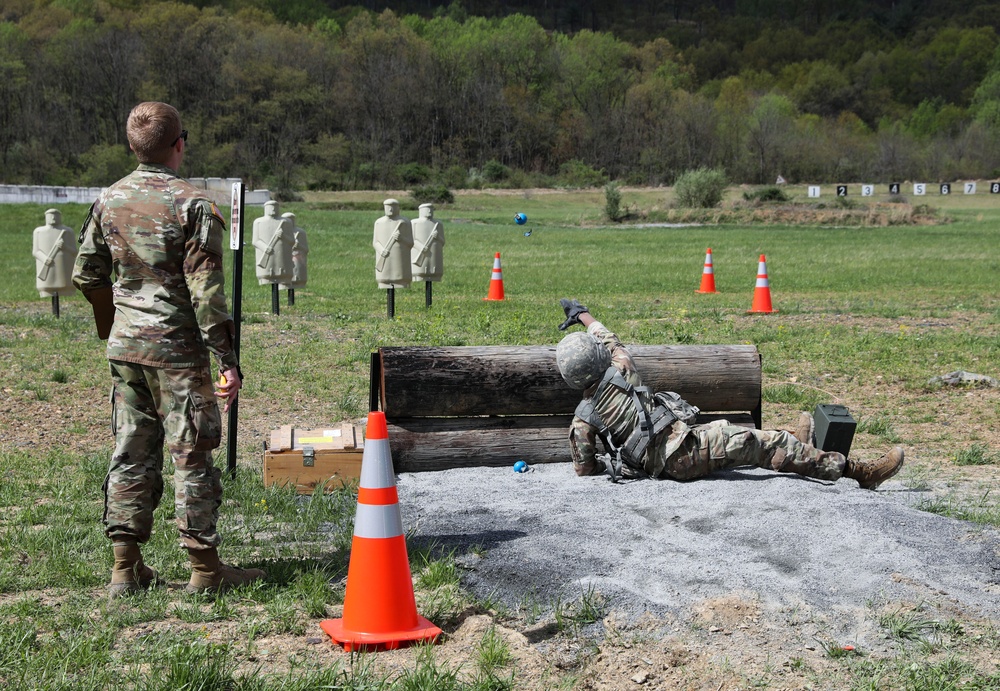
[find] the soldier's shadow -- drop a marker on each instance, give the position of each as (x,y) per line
(754,474)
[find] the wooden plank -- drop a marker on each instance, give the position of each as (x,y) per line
(523,380)
(419,444)
(281,438)
(350,435)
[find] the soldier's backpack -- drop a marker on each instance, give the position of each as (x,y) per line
(661,411)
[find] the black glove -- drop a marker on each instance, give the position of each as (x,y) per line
(573,310)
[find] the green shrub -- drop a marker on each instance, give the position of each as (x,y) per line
(365,176)
(455,177)
(434,194)
(413,173)
(317,177)
(576,173)
(771,193)
(613,202)
(104,163)
(495,171)
(700,189)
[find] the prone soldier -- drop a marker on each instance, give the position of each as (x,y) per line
(655,435)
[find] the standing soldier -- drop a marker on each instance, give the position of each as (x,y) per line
(163,316)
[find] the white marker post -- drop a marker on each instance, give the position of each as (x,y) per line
(813,191)
(919,189)
(236,245)
(867,190)
(970,188)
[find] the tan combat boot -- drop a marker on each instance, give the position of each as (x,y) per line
(805,429)
(210,575)
(871,474)
(130,574)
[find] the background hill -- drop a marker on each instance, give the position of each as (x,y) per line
(309,94)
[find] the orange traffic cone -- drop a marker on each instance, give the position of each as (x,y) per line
(496,281)
(708,275)
(762,291)
(380,612)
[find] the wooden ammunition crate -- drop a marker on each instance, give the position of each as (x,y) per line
(307,458)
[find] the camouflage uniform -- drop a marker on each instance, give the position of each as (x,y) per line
(163,241)
(683,452)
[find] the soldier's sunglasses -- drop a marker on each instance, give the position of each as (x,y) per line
(183,135)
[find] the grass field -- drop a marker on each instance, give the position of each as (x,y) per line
(866,317)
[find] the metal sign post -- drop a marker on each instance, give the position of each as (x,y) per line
(236,245)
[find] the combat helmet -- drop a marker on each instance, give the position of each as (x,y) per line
(582,359)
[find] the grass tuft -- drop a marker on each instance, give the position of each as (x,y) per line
(977,454)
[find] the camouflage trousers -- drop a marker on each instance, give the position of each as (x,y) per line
(152,406)
(719,445)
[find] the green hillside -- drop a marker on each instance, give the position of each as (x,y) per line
(324,95)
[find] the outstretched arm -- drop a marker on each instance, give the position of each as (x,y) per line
(574,313)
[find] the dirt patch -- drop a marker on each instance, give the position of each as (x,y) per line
(871,216)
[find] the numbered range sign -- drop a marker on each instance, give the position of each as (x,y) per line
(867,190)
(946,188)
(995,188)
(894,188)
(970,188)
(841,190)
(919,189)
(814,191)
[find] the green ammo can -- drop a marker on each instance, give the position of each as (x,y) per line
(834,428)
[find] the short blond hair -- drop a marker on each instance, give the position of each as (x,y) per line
(152,128)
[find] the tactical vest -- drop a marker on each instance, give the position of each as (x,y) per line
(664,409)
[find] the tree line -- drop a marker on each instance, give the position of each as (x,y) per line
(356,98)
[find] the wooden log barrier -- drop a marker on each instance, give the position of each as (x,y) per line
(463,406)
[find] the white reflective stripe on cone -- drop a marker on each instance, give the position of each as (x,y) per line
(377,474)
(762,282)
(378,521)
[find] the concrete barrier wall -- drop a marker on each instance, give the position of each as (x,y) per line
(47,194)
(218,189)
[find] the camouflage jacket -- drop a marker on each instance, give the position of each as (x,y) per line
(619,415)
(162,240)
